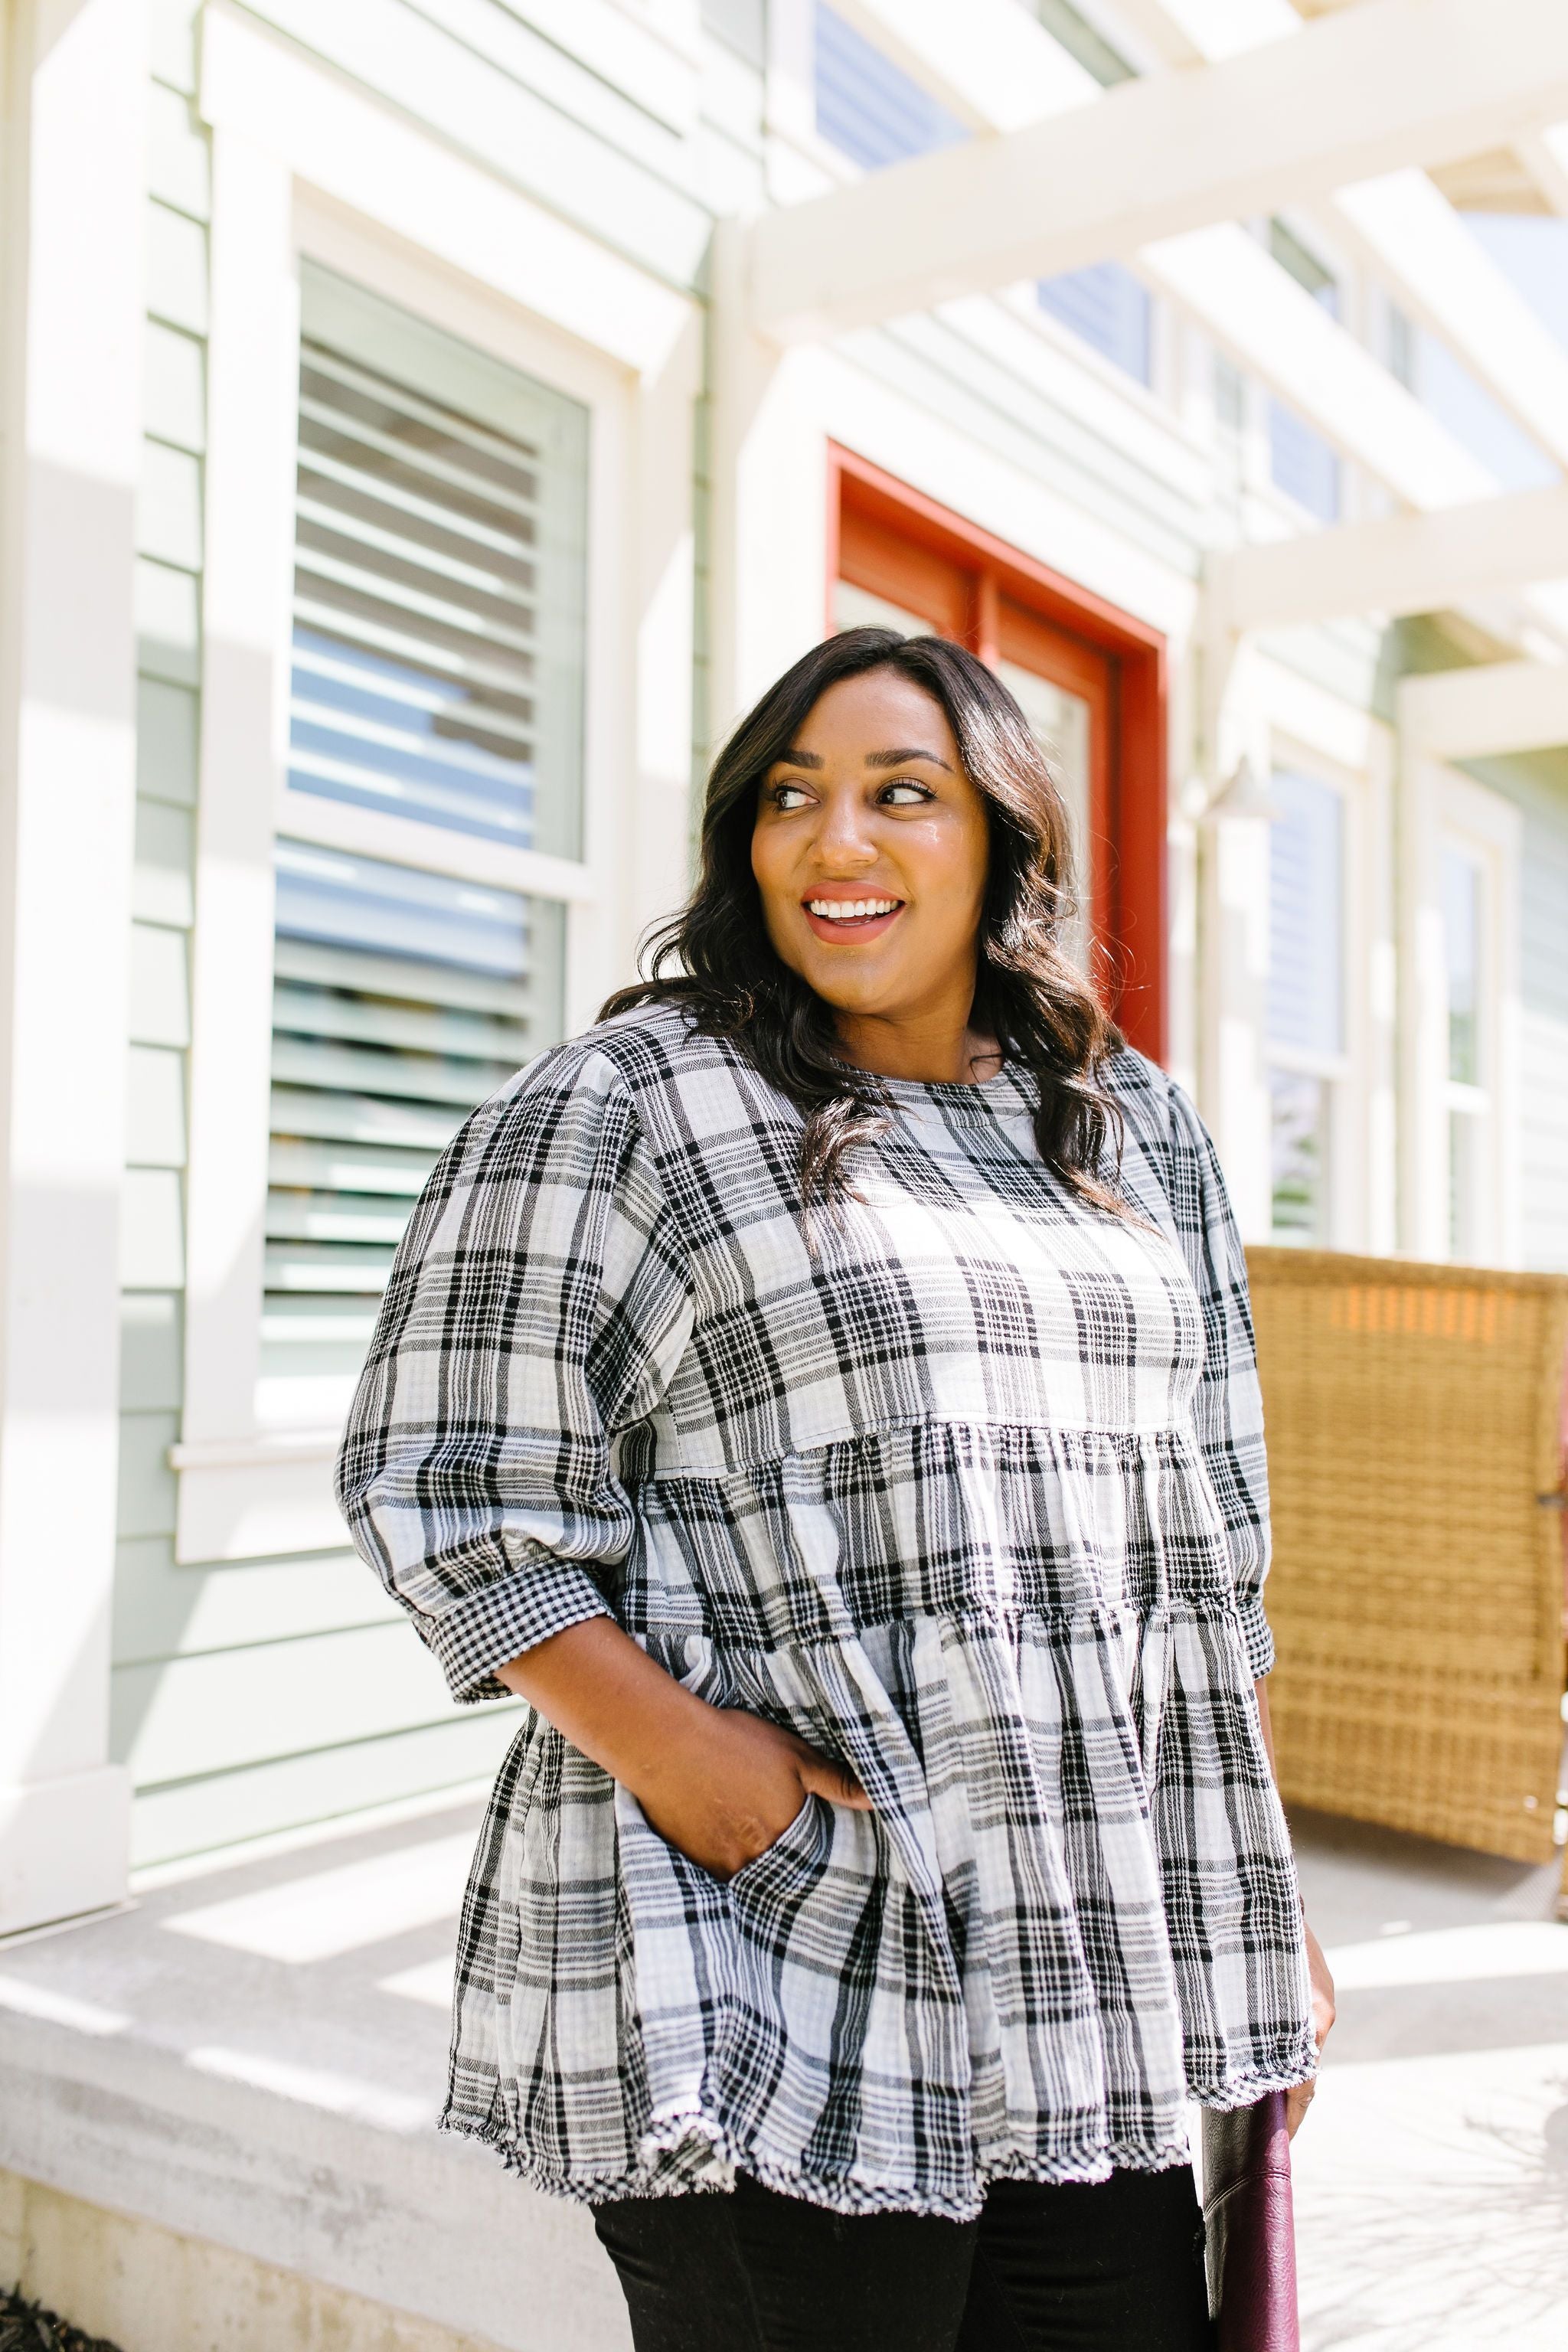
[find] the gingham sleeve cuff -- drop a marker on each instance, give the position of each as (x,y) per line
(499,1622)
(1256,1636)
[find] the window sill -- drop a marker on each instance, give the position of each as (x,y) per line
(245,1499)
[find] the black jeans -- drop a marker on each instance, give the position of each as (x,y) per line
(1117,2267)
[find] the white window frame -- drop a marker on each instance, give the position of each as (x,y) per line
(1335,1070)
(306,168)
(1486,829)
(1279,717)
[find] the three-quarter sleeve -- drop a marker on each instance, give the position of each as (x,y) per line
(537,1307)
(1228,1404)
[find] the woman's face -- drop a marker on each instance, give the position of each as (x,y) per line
(870,851)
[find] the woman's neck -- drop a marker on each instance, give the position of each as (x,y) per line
(934,1052)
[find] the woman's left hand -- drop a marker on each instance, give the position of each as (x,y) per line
(1299,2098)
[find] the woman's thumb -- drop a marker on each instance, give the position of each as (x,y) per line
(826,1776)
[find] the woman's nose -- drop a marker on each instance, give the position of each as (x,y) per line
(843,838)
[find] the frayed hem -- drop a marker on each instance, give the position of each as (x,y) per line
(709,2158)
(1245,2090)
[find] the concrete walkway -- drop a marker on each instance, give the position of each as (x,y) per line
(253,2054)
(1431,2174)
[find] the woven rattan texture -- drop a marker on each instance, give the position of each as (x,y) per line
(1414,1418)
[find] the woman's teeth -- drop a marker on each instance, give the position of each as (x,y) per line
(846,911)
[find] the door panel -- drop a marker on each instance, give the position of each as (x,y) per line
(917,580)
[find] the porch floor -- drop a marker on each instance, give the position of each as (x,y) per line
(253,2054)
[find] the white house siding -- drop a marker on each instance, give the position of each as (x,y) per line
(1112,451)
(608,144)
(256,1695)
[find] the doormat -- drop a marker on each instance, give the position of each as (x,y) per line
(29,2327)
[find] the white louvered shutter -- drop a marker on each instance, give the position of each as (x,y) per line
(438,679)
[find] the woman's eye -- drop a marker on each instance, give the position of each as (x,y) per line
(789,796)
(904,794)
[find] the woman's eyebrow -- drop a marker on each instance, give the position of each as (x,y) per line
(910,751)
(801,759)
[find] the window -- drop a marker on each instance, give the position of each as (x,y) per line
(1465,957)
(1065,724)
(868,107)
(1108,308)
(1306,999)
(1300,462)
(437,700)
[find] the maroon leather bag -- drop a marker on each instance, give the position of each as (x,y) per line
(1250,2229)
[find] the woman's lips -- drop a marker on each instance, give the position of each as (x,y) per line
(847,927)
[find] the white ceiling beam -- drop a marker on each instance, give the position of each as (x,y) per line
(1482,713)
(1409,564)
(1391,83)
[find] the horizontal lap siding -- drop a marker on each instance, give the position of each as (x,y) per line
(982,384)
(478,74)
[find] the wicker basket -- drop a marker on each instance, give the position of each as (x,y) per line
(1415,1456)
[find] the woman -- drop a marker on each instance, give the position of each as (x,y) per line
(825,1392)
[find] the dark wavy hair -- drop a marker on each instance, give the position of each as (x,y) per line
(715,959)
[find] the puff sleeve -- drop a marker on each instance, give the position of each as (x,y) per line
(536,1309)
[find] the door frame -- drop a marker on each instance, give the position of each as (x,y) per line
(1132,897)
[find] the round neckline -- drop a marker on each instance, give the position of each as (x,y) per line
(948,1090)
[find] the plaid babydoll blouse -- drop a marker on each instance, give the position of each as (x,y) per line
(969,1494)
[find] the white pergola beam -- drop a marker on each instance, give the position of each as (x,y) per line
(1482,713)
(1408,563)
(1409,234)
(1392,83)
(1255,310)
(1545,156)
(1417,243)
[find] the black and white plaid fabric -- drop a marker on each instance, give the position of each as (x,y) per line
(973,1498)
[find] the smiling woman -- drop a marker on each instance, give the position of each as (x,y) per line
(900,766)
(824,1391)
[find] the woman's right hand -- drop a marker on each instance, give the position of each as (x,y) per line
(731,1786)
(720,1784)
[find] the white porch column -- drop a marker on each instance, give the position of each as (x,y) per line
(659,869)
(768,541)
(75,200)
